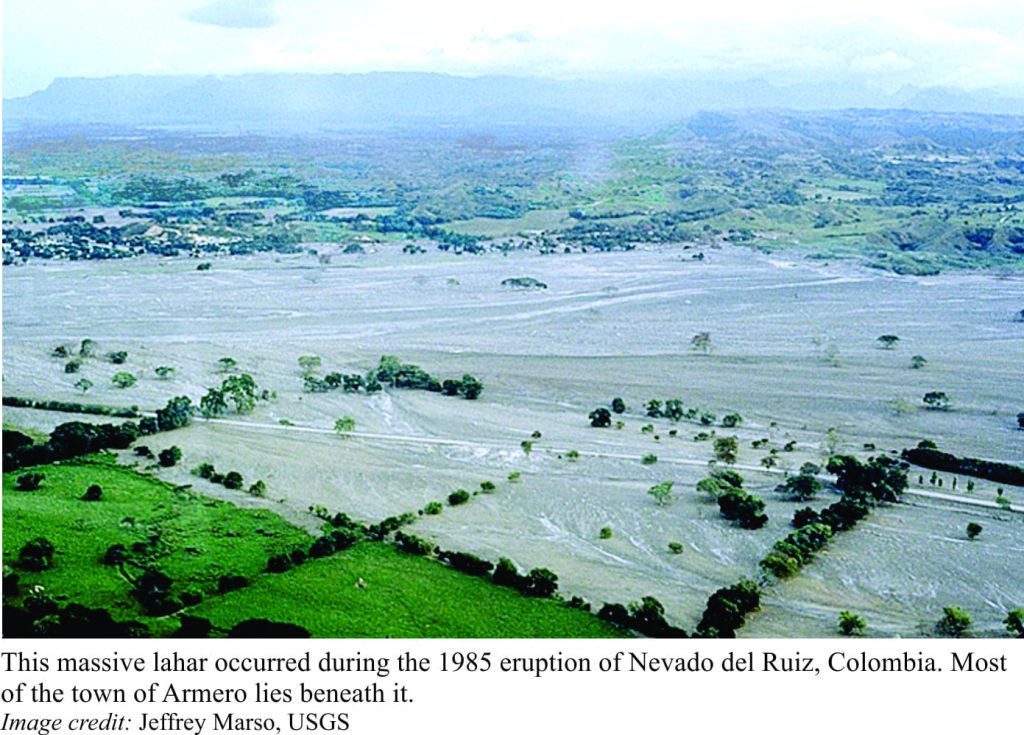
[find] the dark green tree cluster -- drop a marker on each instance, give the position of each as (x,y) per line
(392,372)
(646,617)
(796,550)
(727,609)
(239,392)
(802,486)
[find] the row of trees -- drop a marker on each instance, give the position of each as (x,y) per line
(390,371)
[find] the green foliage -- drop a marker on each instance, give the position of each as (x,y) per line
(851,624)
(458,497)
(170,456)
(124,380)
(954,623)
(1014,622)
(675,547)
(605,533)
(600,418)
(618,405)
(649,459)
(345,424)
(662,493)
(726,448)
(973,529)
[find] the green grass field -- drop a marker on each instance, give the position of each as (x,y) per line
(198,539)
(195,539)
(404,597)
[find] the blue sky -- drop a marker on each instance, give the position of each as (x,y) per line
(881,44)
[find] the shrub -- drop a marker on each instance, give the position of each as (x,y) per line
(973,529)
(675,547)
(850,624)
(514,476)
(506,574)
(432,508)
(649,459)
(605,533)
(600,418)
(805,517)
(29,482)
(487,486)
(458,497)
(1014,621)
(231,582)
(124,380)
(258,489)
(170,456)
(93,493)
(465,562)
(233,481)
(540,582)
(954,622)
(279,563)
(36,555)
(572,455)
(414,545)
(205,471)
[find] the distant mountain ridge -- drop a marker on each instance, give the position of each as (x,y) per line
(379,100)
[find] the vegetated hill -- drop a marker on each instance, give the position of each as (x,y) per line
(385,100)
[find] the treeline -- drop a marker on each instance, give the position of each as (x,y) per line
(933,459)
(863,484)
(76,438)
(391,371)
(91,409)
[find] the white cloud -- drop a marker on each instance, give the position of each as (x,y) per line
(888,42)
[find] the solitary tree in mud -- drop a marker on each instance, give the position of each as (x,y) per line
(309,364)
(888,341)
(954,622)
(345,424)
(84,384)
(973,530)
(701,342)
(662,493)
(851,624)
(600,418)
(213,404)
(936,400)
(726,448)
(917,362)
(123,380)
(619,406)
(226,364)
(164,372)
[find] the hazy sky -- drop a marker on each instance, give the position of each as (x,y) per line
(884,43)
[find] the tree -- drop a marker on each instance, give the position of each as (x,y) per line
(662,493)
(540,582)
(527,446)
(831,440)
(213,404)
(29,482)
(731,420)
(84,384)
(242,391)
(803,486)
(653,408)
(726,448)
(233,480)
(471,387)
(701,342)
(164,372)
(605,533)
(646,459)
(600,418)
(72,366)
(675,547)
(124,380)
(619,406)
(458,497)
(345,424)
(936,400)
(177,413)
(917,362)
(117,358)
(850,624)
(888,341)
(170,456)
(87,348)
(93,493)
(258,489)
(226,364)
(973,529)
(954,622)
(1014,622)
(309,364)
(36,555)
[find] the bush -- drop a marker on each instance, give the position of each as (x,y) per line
(487,487)
(233,481)
(93,493)
(805,517)
(432,508)
(675,547)
(458,497)
(205,471)
(954,622)
(29,482)
(1014,621)
(727,609)
(747,510)
(414,545)
(170,456)
(258,489)
(506,574)
(973,529)
(468,563)
(540,582)
(605,533)
(279,563)
(231,582)
(36,555)
(600,418)
(649,459)
(850,624)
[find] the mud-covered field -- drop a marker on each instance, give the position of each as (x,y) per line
(793,350)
